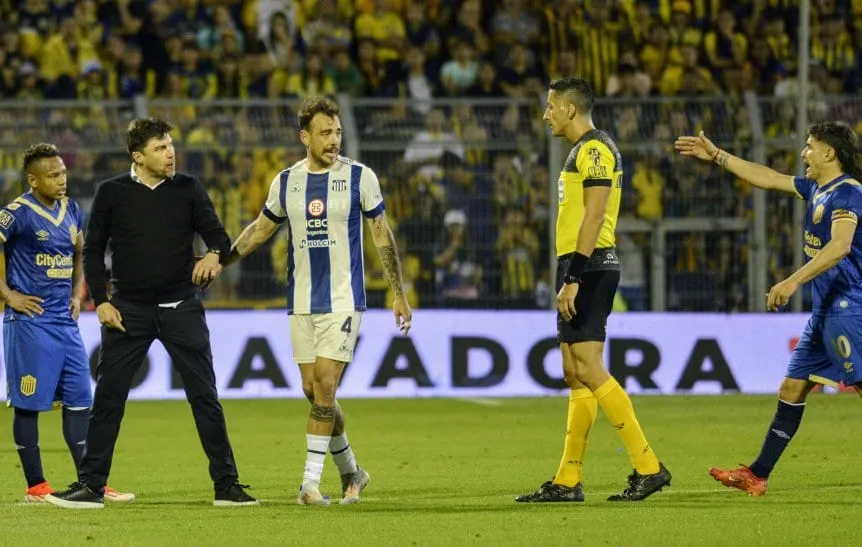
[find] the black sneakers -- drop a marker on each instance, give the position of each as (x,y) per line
(78,496)
(550,492)
(234,495)
(641,487)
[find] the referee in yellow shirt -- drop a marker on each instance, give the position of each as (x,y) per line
(588,273)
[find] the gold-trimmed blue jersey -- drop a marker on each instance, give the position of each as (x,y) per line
(838,290)
(39,248)
(594,160)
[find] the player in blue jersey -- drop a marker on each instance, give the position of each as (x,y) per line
(321,198)
(45,357)
(830,347)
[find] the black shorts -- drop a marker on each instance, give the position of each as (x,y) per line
(593,304)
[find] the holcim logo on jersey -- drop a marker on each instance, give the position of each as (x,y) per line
(316,243)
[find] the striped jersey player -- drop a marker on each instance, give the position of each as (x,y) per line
(325,270)
(322,200)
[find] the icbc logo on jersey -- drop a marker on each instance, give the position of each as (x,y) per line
(316,207)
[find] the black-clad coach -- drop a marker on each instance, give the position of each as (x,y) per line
(149,216)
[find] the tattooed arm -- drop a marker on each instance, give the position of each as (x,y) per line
(386,248)
(251,238)
(384,240)
(761,176)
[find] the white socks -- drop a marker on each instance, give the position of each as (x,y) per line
(342,454)
(316,446)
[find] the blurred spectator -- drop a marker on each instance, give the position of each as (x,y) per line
(311,81)
(726,48)
(458,276)
(421,33)
(691,76)
(469,28)
(328,31)
(517,249)
(514,24)
(461,72)
(766,70)
(417,83)
(345,76)
(385,27)
(520,78)
(628,81)
(426,148)
(487,84)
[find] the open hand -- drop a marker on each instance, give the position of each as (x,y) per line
(25,303)
(699,147)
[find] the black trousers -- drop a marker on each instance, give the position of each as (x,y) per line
(184,333)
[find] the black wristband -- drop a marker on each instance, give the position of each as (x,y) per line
(222,254)
(577,265)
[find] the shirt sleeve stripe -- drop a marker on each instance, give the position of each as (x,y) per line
(854,220)
(376,212)
(589,183)
(282,190)
(2,238)
(272,216)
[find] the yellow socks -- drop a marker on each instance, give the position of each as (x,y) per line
(618,408)
(582,414)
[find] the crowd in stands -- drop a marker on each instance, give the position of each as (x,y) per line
(467,182)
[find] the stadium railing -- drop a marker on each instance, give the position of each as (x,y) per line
(691,238)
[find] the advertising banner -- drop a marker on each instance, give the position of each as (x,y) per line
(453,353)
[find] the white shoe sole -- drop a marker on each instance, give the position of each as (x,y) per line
(35,499)
(228,503)
(120,498)
(65,504)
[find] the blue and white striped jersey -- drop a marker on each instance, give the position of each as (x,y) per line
(325,272)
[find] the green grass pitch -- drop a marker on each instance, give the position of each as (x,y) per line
(444,472)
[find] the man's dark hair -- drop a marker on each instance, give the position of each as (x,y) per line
(141,130)
(843,139)
(316,105)
(577,90)
(38,152)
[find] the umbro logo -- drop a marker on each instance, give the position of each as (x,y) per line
(339,185)
(296,187)
(42,235)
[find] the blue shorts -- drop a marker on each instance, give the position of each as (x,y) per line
(45,363)
(829,351)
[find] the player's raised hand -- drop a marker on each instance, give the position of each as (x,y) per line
(25,303)
(110,316)
(206,270)
(75,307)
(403,314)
(699,147)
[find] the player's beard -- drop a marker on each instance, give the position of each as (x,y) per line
(324,160)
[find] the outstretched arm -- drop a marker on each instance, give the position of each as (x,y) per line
(761,176)
(254,235)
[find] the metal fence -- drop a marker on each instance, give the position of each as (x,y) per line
(471,190)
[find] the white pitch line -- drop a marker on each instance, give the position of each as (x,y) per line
(481,401)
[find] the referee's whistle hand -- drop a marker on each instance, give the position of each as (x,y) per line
(110,317)
(206,269)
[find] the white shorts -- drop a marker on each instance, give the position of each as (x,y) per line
(329,335)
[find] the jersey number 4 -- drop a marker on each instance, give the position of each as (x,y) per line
(347,326)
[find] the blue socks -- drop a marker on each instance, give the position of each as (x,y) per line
(75,422)
(25,432)
(781,431)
